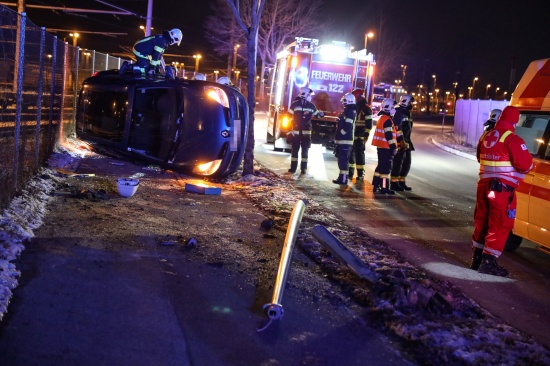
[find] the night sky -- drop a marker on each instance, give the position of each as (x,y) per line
(454,40)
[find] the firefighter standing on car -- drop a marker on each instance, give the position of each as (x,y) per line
(149,50)
(503,162)
(385,140)
(402,160)
(493,118)
(302,110)
(363,126)
(344,136)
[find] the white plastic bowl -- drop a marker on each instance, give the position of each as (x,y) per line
(127,187)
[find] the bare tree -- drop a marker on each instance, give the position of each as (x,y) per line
(251,32)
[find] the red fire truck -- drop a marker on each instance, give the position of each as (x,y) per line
(330,70)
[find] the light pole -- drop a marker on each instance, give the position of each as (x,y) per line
(474,86)
(235,49)
(404,67)
(368,35)
(197,59)
(436,99)
(496,92)
(470,92)
(75,36)
(487,91)
(216,72)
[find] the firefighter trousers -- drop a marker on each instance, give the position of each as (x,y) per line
(357,158)
(302,141)
(343,154)
(494,216)
(401,165)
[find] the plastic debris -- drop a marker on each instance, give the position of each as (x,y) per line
(192,242)
(202,188)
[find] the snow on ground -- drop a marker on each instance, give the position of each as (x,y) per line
(429,319)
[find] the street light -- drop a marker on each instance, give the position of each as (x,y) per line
(435,80)
(235,49)
(216,72)
(75,36)
(496,92)
(197,59)
(474,86)
(487,91)
(470,92)
(368,35)
(404,67)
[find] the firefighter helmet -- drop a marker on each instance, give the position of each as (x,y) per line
(387,105)
(358,93)
(224,80)
(348,98)
(495,113)
(306,92)
(406,100)
(199,76)
(175,36)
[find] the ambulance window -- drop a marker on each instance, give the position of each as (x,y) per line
(532,128)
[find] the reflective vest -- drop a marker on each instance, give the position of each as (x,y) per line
(502,154)
(384,129)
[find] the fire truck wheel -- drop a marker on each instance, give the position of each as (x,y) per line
(512,243)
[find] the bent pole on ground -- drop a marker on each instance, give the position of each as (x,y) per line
(275,308)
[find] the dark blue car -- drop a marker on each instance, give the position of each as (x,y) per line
(191,126)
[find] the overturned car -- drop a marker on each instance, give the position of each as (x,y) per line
(191,126)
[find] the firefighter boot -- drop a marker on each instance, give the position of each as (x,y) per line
(342,179)
(476,258)
(490,266)
(385,188)
(404,185)
(376,184)
(395,186)
(293,166)
(351,172)
(360,175)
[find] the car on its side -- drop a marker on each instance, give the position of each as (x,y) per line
(191,126)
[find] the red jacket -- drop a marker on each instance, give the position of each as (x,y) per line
(502,154)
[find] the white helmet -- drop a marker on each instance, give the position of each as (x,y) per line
(495,113)
(387,105)
(348,98)
(175,36)
(199,76)
(406,100)
(306,93)
(224,80)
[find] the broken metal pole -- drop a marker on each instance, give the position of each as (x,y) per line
(337,248)
(275,309)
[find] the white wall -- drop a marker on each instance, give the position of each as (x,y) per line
(470,115)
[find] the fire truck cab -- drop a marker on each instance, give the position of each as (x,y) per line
(330,70)
(532,98)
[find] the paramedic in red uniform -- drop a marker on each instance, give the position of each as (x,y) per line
(503,162)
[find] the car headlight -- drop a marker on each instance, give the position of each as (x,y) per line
(218,95)
(208,168)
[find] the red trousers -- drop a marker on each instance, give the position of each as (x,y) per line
(494,217)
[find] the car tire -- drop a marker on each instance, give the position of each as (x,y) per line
(513,242)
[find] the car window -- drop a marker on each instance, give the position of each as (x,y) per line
(104,113)
(532,128)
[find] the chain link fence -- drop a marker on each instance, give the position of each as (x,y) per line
(40,77)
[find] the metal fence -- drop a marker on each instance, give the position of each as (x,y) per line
(40,77)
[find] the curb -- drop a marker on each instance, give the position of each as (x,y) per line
(451,150)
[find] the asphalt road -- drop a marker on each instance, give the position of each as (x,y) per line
(432,225)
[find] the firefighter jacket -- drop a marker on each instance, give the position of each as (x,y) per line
(363,124)
(346,122)
(502,154)
(401,117)
(302,111)
(152,47)
(385,134)
(403,123)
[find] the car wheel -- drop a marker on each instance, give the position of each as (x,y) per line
(513,242)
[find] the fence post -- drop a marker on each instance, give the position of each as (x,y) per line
(52,92)
(39,96)
(19,97)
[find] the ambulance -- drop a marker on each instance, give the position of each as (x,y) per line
(532,98)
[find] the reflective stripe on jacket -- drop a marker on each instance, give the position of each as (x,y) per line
(346,122)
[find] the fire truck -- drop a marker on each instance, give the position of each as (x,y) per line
(330,70)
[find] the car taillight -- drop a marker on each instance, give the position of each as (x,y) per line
(208,168)
(218,95)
